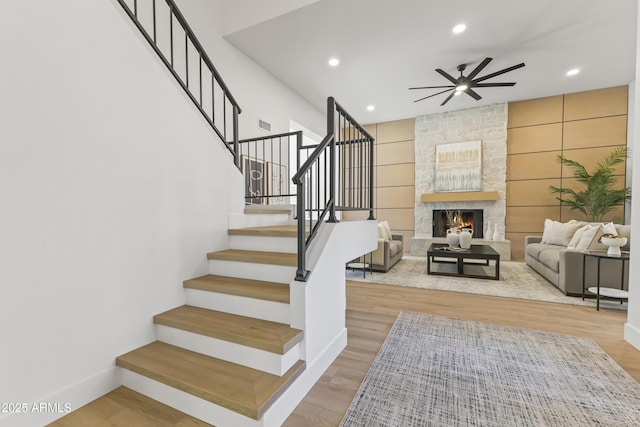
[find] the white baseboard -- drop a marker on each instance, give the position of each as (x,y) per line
(632,335)
(49,408)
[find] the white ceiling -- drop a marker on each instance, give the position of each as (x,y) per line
(387,46)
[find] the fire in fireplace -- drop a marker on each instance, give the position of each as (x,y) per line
(444,219)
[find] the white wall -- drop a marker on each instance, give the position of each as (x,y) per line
(113,188)
(632,327)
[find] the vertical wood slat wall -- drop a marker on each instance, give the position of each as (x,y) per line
(394,160)
(585,127)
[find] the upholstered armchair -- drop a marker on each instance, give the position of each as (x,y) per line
(389,250)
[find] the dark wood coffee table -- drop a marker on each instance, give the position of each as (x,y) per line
(475,252)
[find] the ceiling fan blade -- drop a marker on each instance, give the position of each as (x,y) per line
(497,73)
(447,76)
(472,94)
(493,84)
(430,87)
(448,98)
(435,94)
(479,68)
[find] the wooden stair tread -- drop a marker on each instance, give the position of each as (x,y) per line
(257,333)
(247,391)
(268,291)
(125,407)
(259,257)
(286,230)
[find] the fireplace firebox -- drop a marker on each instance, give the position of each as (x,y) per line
(444,219)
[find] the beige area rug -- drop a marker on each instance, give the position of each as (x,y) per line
(517,280)
(438,371)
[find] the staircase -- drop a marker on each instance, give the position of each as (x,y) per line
(258,331)
(228,354)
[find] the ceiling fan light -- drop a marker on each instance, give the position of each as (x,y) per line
(457,93)
(461,88)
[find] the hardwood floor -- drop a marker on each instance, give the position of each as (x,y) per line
(372,310)
(126,408)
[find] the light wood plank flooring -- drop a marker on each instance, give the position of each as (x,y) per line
(126,408)
(372,310)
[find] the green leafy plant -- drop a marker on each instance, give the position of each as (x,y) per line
(598,197)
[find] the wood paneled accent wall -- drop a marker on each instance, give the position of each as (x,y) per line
(584,126)
(394,176)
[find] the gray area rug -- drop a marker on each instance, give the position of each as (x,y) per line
(438,371)
(517,280)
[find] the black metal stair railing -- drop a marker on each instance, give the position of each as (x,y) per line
(337,175)
(167,31)
(267,163)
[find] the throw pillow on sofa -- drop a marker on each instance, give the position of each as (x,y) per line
(559,233)
(590,237)
(384,230)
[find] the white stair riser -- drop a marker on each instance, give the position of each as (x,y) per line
(254,271)
(264,243)
(243,306)
(185,402)
(277,364)
(257,220)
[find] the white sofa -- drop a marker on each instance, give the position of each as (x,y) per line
(559,258)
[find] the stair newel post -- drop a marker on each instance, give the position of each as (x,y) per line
(331,107)
(299,146)
(236,154)
(301,273)
(371,178)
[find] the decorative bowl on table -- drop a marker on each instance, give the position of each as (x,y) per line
(614,244)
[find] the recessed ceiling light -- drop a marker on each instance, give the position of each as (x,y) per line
(334,62)
(371,107)
(459,28)
(457,93)
(573,72)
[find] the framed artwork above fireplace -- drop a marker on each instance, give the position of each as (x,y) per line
(458,167)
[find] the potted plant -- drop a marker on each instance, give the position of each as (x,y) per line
(598,197)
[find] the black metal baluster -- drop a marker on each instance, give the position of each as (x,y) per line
(360,170)
(235,135)
(343,174)
(224,115)
(186,57)
(200,79)
(352,184)
(171,31)
(135,8)
(154,22)
(371,177)
(213,97)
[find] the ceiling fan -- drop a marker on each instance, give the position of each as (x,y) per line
(467,83)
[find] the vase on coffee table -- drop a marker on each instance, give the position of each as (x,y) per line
(453,237)
(465,238)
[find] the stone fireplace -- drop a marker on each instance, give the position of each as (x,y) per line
(487,124)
